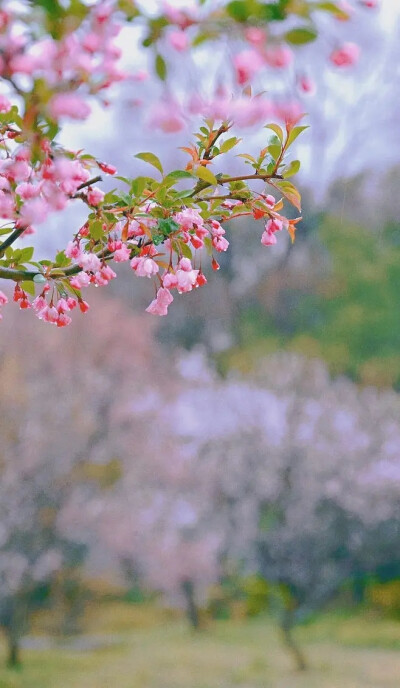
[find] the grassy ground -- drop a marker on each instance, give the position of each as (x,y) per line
(358,652)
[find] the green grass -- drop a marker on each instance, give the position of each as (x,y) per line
(354,652)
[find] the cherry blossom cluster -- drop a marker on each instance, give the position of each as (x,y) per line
(85,59)
(53,63)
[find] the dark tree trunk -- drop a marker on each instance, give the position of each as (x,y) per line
(13,626)
(191,608)
(13,656)
(287,624)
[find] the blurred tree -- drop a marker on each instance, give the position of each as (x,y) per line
(298,476)
(62,421)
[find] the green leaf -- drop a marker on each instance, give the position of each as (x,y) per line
(301,36)
(139,184)
(291,169)
(167,226)
(151,159)
(296,131)
(277,129)
(26,254)
(61,259)
(206,175)
(291,193)
(183,194)
(275,151)
(185,250)
(96,230)
(333,8)
(28,285)
(240,10)
(229,144)
(160,67)
(178,174)
(246,156)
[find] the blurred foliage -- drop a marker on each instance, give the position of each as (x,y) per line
(386,598)
(238,597)
(345,309)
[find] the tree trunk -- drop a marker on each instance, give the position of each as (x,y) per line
(13,656)
(287,624)
(191,608)
(14,622)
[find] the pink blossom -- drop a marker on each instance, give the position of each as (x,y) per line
(178,40)
(68,173)
(18,171)
(246,112)
(122,254)
(92,42)
(98,279)
(255,35)
(39,305)
(170,280)
(159,306)
(345,56)
(83,306)
(273,225)
(188,218)
(108,169)
(62,305)
(186,275)
(268,239)
(26,190)
(49,314)
(247,64)
(3,298)
(144,266)
(56,199)
(345,7)
(269,200)
(95,196)
(23,64)
(108,273)
(140,75)
(196,241)
(6,205)
(63,320)
(278,56)
(80,280)
(68,105)
(201,280)
(306,85)
(290,112)
(89,262)
(167,116)
(73,250)
(216,228)
(5,105)
(135,229)
(72,303)
(23,153)
(220,243)
(33,212)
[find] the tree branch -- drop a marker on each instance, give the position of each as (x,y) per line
(10,239)
(245,177)
(18,275)
(90,182)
